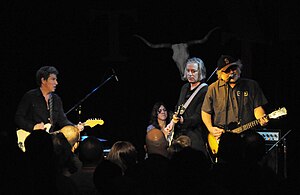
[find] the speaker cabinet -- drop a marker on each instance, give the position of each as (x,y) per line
(276,150)
(275,157)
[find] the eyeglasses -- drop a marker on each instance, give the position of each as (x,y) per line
(161,110)
(229,69)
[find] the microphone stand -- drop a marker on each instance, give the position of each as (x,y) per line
(83,99)
(212,74)
(284,152)
(275,144)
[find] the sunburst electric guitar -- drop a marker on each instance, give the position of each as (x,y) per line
(214,143)
(22,134)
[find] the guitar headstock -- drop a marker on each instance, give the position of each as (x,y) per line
(278,113)
(93,122)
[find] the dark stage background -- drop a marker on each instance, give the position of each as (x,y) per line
(86,40)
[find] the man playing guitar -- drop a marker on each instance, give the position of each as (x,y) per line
(232,99)
(187,119)
(41,108)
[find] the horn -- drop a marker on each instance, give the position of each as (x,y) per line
(204,39)
(161,45)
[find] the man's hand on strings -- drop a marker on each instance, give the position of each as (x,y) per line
(177,119)
(39,126)
(167,130)
(216,132)
(80,126)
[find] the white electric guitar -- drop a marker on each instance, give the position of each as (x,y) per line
(178,113)
(22,134)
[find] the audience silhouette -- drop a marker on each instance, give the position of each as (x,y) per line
(177,169)
(153,172)
(189,170)
(90,153)
(105,177)
(40,165)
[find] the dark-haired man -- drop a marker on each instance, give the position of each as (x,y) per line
(41,108)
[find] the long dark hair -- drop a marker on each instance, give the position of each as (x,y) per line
(153,117)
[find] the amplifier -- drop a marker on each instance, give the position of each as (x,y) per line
(270,135)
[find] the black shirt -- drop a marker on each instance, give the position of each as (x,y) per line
(32,109)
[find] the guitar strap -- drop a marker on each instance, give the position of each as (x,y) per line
(241,108)
(186,104)
(241,105)
(51,109)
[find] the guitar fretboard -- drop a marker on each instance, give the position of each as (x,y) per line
(245,127)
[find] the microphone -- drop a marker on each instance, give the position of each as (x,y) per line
(231,76)
(115,74)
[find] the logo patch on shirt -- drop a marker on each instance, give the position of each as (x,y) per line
(226,61)
(246,93)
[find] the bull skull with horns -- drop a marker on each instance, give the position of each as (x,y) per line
(180,50)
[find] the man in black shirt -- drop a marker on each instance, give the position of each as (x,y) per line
(190,123)
(41,108)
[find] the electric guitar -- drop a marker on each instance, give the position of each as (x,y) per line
(22,134)
(178,113)
(214,143)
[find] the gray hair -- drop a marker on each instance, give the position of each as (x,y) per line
(201,68)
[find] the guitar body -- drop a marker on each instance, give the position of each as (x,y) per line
(213,144)
(22,134)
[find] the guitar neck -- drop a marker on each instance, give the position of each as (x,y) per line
(246,126)
(274,115)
